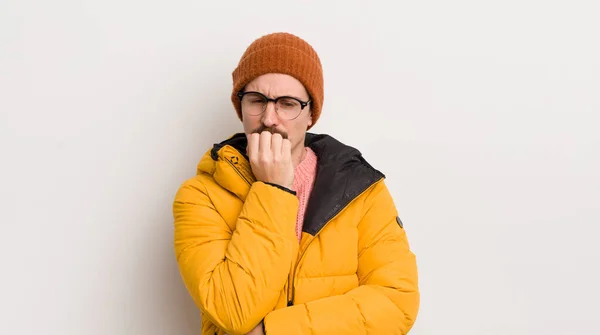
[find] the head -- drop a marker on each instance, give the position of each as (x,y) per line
(290,116)
(285,68)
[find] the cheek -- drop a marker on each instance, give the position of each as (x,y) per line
(250,123)
(295,130)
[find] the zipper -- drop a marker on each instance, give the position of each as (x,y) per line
(291,287)
(238,171)
(291,290)
(291,301)
(290,297)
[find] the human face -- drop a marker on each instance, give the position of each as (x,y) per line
(274,85)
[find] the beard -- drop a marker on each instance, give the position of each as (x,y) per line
(271,130)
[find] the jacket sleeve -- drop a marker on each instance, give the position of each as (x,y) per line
(235,277)
(387,298)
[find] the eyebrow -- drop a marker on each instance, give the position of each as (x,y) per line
(283,95)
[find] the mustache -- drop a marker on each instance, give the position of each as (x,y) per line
(271,130)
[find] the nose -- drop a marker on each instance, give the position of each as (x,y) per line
(270,117)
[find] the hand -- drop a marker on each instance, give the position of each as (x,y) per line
(258,330)
(271,158)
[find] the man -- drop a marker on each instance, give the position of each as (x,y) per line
(288,232)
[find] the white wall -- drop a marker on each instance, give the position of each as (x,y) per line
(483,115)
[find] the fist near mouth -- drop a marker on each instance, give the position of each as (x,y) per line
(271,158)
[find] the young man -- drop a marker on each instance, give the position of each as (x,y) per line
(287,232)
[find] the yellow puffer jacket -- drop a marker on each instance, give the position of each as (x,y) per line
(238,254)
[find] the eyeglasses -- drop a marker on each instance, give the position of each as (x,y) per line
(255,103)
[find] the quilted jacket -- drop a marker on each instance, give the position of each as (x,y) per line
(235,243)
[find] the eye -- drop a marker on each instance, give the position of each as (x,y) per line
(254,98)
(289,103)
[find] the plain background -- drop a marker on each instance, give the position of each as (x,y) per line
(483,115)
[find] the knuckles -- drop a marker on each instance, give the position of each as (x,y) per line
(264,159)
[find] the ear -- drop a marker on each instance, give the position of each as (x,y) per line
(310,120)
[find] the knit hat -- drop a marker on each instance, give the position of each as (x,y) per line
(281,53)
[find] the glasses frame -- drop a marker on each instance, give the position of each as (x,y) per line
(303,104)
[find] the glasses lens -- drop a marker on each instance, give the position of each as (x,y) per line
(253,103)
(288,108)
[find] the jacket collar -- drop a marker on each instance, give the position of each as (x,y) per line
(342,175)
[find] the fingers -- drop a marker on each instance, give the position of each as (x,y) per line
(264,148)
(286,150)
(276,140)
(253,142)
(267,147)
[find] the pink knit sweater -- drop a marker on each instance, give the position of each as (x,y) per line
(304,178)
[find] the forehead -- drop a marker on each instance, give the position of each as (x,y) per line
(277,84)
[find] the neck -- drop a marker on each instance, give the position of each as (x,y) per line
(298,155)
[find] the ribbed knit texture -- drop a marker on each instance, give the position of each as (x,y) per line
(281,53)
(304,179)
